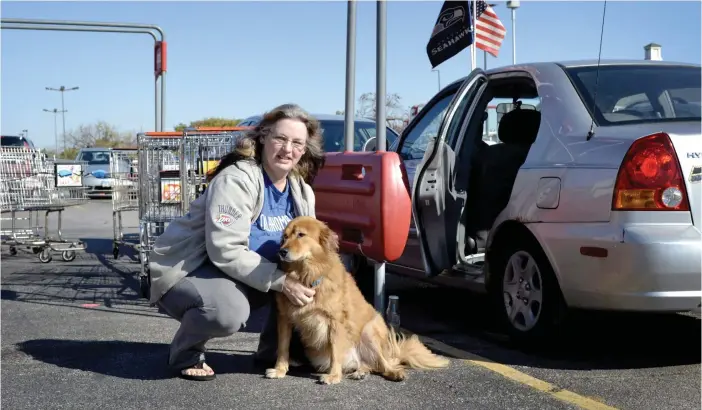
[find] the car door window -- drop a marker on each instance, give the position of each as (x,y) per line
(370,132)
(454,127)
(426,130)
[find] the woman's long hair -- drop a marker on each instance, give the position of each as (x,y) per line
(249,146)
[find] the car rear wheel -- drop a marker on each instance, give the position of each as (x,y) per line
(525,292)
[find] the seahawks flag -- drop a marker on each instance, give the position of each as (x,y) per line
(452,32)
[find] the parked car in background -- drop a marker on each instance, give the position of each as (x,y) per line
(593,201)
(98,177)
(14,163)
(333,132)
(16,141)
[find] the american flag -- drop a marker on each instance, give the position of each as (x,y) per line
(489,31)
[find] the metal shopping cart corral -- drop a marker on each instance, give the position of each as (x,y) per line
(159,157)
(31,183)
(125,196)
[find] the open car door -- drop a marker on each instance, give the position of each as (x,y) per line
(432,191)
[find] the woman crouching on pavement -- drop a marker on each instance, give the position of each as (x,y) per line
(211,267)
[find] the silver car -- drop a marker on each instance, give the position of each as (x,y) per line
(591,199)
(101,174)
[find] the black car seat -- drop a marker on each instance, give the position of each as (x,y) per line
(494,175)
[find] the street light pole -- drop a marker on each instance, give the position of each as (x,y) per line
(55,111)
(513,5)
(63,90)
(438,78)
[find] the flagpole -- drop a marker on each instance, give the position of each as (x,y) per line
(473,51)
(472,45)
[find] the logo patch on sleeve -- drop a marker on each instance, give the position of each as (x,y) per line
(227,215)
(225,219)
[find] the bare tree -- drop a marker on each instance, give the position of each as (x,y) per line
(100,134)
(396,114)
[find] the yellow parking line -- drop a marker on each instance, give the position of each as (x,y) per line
(515,375)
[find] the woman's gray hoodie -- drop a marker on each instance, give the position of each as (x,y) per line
(218,227)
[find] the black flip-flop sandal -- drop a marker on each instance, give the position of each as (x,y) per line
(196,377)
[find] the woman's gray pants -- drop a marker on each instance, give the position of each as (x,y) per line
(208,304)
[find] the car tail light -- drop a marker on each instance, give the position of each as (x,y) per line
(650,178)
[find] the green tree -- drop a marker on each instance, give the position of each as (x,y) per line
(68,153)
(219,122)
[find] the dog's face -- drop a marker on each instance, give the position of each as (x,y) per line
(306,237)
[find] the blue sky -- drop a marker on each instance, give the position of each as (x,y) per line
(235,59)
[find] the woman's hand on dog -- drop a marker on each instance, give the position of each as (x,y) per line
(299,294)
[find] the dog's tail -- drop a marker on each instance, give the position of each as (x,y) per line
(412,353)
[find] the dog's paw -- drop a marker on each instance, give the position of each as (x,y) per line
(275,373)
(357,375)
(330,379)
(396,375)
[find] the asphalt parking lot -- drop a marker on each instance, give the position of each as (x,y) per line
(76,335)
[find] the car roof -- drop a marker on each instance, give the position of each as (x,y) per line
(610,62)
(96,149)
(320,117)
(335,117)
(580,63)
(592,63)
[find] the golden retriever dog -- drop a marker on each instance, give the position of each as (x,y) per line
(342,333)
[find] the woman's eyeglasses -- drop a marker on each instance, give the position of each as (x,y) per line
(280,141)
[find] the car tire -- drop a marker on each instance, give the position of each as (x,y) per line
(525,292)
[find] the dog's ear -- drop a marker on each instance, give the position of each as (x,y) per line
(329,239)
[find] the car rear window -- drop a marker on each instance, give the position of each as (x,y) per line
(95,157)
(9,141)
(638,93)
(333,134)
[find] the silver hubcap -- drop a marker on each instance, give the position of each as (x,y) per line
(522,291)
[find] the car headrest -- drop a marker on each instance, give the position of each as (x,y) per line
(519,127)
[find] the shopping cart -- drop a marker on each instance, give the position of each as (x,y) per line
(203,147)
(125,196)
(159,163)
(173,168)
(31,183)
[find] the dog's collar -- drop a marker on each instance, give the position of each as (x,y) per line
(316,282)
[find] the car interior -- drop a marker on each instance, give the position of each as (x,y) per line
(493,169)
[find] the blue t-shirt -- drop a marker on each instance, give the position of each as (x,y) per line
(267,230)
